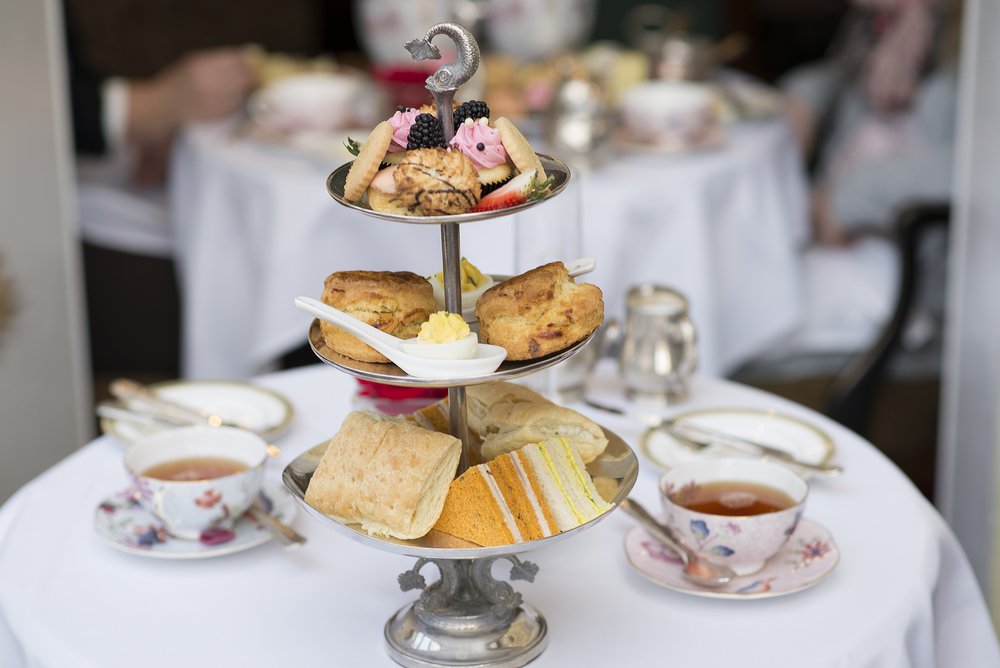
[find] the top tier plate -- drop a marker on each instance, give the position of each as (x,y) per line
(557,169)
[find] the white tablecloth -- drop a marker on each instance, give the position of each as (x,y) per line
(903,594)
(255,228)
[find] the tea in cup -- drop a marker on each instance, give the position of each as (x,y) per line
(733,511)
(197,478)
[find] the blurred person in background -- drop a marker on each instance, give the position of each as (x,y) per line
(138,72)
(876,118)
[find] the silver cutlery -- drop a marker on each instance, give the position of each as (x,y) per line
(696,569)
(128,390)
(698,437)
(283,533)
(152,415)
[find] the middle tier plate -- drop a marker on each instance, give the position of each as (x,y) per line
(614,472)
(390,374)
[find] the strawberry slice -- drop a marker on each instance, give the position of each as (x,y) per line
(522,188)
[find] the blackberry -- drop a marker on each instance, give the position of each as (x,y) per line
(474,109)
(426,132)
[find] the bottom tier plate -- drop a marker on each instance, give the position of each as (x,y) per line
(614,473)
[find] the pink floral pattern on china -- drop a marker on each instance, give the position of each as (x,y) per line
(805,560)
(125,521)
(721,538)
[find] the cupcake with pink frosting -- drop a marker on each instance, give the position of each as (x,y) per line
(481,143)
(402,121)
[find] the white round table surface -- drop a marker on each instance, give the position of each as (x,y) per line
(902,595)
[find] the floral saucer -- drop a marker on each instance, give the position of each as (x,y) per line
(809,556)
(127,526)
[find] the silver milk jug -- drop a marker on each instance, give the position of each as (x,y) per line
(658,353)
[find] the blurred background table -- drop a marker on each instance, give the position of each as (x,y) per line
(903,594)
(254,228)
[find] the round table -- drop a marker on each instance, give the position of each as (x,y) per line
(254,227)
(902,595)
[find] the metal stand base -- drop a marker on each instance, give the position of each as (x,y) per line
(467,618)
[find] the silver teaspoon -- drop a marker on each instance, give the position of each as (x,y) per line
(696,570)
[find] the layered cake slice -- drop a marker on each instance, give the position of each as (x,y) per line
(531,493)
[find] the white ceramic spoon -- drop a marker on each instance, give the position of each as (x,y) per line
(486,361)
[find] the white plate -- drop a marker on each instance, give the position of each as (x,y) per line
(309,102)
(254,408)
(126,525)
(806,559)
(799,438)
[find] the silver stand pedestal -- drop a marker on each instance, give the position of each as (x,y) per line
(466,618)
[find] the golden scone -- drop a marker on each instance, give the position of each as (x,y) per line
(539,312)
(395,302)
(436,182)
(518,148)
(369,158)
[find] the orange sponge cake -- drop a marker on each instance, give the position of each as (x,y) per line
(537,491)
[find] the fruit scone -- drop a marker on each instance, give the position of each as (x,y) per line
(405,167)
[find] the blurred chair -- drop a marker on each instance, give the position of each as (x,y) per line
(874,312)
(852,392)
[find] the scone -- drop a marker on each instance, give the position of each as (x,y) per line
(539,312)
(395,302)
(432,182)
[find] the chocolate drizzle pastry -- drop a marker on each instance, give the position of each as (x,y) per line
(436,182)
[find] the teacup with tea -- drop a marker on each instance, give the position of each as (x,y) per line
(734,511)
(197,478)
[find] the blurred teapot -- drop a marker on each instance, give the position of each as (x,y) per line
(674,53)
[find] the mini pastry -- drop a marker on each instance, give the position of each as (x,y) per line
(519,149)
(482,145)
(434,182)
(365,166)
(395,302)
(401,123)
(537,491)
(539,312)
(439,186)
(388,475)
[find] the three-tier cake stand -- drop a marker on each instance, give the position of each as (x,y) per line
(466,617)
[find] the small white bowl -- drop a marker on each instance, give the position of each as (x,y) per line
(317,101)
(674,112)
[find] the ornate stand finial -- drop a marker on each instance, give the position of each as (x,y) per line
(447,78)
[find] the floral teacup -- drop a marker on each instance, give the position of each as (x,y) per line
(744,542)
(214,499)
